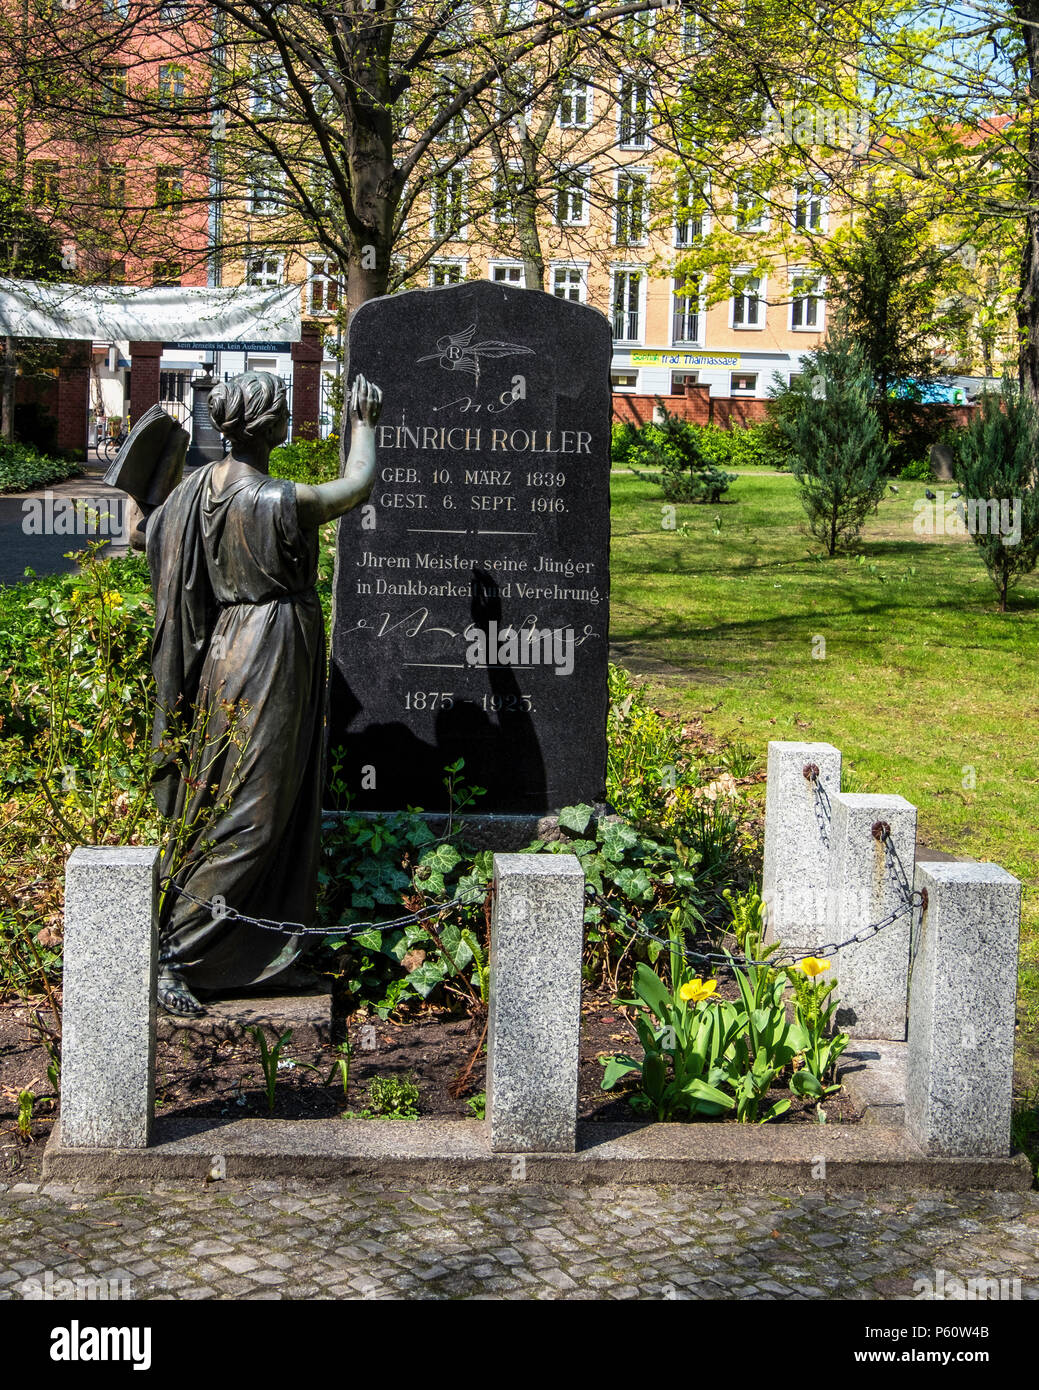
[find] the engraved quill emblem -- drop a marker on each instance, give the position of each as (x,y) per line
(458,353)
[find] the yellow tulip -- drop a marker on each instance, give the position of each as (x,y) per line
(697,989)
(812,966)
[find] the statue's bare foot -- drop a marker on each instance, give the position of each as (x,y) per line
(175,997)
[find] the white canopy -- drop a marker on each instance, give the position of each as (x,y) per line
(32,309)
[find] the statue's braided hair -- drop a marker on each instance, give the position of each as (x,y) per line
(248,406)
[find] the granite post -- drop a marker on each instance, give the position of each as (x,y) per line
(534,1030)
(873,975)
(803,778)
(108,1046)
(962,1003)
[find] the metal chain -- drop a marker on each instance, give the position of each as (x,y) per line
(894,867)
(820,802)
(221,912)
(896,874)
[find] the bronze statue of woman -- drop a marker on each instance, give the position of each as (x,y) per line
(239,664)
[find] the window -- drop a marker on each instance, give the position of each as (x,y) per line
(263,272)
(685,313)
(507,273)
(635,30)
(809,207)
(575,103)
(115,273)
(513,95)
(445,273)
(455,129)
(174,385)
(690,203)
(447,203)
(624,381)
(633,104)
(173,12)
(46,182)
(171,84)
(743,383)
(627,305)
(568,282)
(269,86)
(323,286)
(572,198)
(750,207)
(680,380)
(629,226)
(113,90)
(166,273)
(322,95)
(690,30)
(806,300)
(115,9)
(321,189)
(169,187)
(505,187)
(111,187)
(748,309)
(265,189)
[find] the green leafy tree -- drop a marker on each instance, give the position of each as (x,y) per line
(997,473)
(887,276)
(837,441)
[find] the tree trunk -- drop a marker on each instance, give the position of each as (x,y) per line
(526,213)
(1028,282)
(7,390)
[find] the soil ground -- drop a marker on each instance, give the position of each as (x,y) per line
(211,1067)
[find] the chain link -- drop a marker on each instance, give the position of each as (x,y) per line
(221,912)
(894,868)
(896,874)
(820,802)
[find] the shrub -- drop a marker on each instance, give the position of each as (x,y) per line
(840,455)
(23,469)
(918,472)
(683,471)
(307,460)
(752,446)
(622,436)
(996,459)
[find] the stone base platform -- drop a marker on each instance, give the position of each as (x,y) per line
(873,1072)
(308,1015)
(742,1157)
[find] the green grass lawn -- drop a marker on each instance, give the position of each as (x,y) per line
(927,690)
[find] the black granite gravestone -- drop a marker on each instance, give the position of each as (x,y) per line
(472,592)
(207,445)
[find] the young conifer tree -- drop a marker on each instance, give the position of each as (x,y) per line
(996,471)
(839,451)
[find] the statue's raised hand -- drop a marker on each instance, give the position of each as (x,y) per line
(365,401)
(321,502)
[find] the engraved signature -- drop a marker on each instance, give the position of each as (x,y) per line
(496,407)
(416,623)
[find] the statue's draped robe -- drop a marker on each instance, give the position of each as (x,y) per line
(239,640)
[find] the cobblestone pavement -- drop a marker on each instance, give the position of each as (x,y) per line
(363,1240)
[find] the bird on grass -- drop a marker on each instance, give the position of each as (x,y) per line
(931,496)
(892,487)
